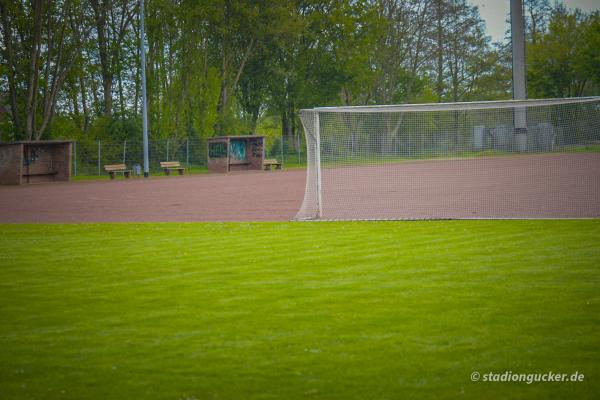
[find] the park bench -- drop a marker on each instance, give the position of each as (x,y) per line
(167,166)
(41,173)
(267,164)
(114,169)
(28,175)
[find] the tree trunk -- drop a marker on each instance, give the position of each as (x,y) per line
(284,125)
(11,71)
(440,51)
(94,90)
(100,12)
(84,106)
(121,96)
(107,92)
(32,84)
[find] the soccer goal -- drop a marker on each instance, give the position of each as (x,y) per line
(497,159)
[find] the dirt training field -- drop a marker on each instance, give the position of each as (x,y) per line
(531,186)
(517,186)
(240,196)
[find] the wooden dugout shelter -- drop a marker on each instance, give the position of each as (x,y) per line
(235,153)
(35,161)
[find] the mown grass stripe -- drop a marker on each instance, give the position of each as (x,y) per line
(288,310)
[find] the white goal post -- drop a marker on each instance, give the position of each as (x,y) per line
(453,160)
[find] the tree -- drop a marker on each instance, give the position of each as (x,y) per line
(467,49)
(537,14)
(227,66)
(553,58)
(112,22)
(404,48)
(39,44)
(588,61)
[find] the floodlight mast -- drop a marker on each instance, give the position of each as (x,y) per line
(519,85)
(144,100)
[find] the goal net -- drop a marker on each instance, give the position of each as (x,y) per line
(498,159)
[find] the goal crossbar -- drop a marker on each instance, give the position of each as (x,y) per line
(460,106)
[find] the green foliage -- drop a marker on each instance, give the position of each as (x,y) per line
(588,64)
(231,124)
(100,129)
(125,127)
(493,80)
(222,67)
(65,127)
(563,62)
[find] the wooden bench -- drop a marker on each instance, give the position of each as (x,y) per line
(41,173)
(27,176)
(114,169)
(167,166)
(267,164)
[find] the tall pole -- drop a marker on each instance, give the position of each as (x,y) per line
(517,35)
(144,101)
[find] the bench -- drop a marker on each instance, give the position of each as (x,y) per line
(114,169)
(41,173)
(167,166)
(47,173)
(267,164)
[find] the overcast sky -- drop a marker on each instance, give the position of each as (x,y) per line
(495,13)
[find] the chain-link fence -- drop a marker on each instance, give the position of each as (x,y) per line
(90,157)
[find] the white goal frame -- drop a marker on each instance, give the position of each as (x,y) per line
(312,207)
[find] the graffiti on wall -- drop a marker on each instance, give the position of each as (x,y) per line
(217,150)
(237,150)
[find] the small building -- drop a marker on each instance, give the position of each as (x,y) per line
(35,161)
(235,153)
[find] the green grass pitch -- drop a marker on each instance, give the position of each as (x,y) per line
(349,310)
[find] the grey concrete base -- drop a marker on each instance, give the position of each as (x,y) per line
(521,142)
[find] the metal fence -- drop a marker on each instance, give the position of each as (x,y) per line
(90,157)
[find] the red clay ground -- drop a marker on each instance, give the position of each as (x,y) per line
(532,186)
(521,186)
(239,196)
